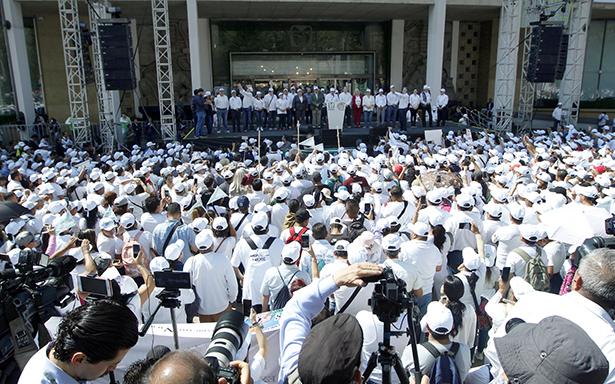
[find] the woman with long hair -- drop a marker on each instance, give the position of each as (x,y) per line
(464,317)
(237,188)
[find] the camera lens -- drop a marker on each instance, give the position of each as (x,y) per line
(228,336)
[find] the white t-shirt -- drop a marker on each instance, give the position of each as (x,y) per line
(425,258)
(555,253)
(149,221)
(507,238)
(110,245)
(256,263)
(405,271)
(343,294)
(214,280)
(272,283)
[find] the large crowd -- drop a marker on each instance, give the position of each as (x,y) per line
(484,230)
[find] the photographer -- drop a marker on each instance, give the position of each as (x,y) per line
(187,367)
(91,341)
(330,352)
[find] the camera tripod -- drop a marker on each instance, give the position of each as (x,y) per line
(168,299)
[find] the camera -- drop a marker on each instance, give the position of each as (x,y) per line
(609,226)
(390,297)
(173,280)
(28,258)
(229,334)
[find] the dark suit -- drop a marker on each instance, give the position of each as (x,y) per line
(318,100)
(300,107)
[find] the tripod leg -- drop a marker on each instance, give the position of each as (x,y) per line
(400,370)
(371,364)
(174,323)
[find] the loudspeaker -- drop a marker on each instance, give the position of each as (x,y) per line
(376,133)
(329,137)
(116,51)
(563,58)
(544,53)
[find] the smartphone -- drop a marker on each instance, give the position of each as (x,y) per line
(44,260)
(368,208)
(505,273)
(95,286)
(305,241)
(464,226)
(135,249)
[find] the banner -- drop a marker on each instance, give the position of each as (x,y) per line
(309,142)
(335,114)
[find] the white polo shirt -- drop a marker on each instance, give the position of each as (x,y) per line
(425,258)
(214,280)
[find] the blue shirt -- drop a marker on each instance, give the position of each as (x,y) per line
(296,321)
(183,232)
(40,370)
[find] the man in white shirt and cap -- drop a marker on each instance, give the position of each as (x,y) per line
(270,101)
(276,278)
(519,257)
(257,253)
(508,237)
(381,104)
(442,104)
(426,106)
(368,103)
(557,117)
(346,97)
(221,103)
(235,105)
(414,102)
(392,103)
(214,279)
(404,102)
(247,104)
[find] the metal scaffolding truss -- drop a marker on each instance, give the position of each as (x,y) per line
(97,12)
(75,73)
(527,94)
(506,69)
(164,69)
(570,87)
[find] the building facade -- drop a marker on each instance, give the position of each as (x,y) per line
(356,44)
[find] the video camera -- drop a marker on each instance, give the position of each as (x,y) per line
(390,297)
(229,334)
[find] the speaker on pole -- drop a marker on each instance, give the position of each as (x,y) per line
(116,51)
(545,52)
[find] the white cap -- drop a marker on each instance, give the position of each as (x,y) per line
(281,194)
(471,259)
(14,227)
(56,207)
(342,195)
(259,220)
(465,201)
(199,224)
(341,246)
(420,229)
(262,207)
(531,232)
(418,191)
(309,200)
(107,224)
(516,211)
(204,240)
(434,196)
(158,264)
(127,220)
(219,224)
(438,318)
(520,287)
(391,242)
(494,210)
(174,250)
(291,252)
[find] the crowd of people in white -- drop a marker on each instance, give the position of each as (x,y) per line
(481,229)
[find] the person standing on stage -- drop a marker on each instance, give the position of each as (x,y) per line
(368,103)
(198,108)
(270,101)
(318,99)
(381,104)
(404,100)
(442,104)
(414,102)
(259,109)
(235,105)
(222,103)
(392,104)
(300,106)
(247,105)
(346,97)
(426,105)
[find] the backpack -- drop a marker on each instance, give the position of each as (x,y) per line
(284,295)
(444,369)
(259,255)
(295,236)
(535,271)
(356,228)
(128,255)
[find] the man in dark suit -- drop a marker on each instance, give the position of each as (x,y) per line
(318,100)
(300,105)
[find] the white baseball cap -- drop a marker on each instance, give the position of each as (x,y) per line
(204,240)
(465,201)
(494,210)
(342,195)
(174,251)
(391,242)
(341,246)
(107,224)
(219,224)
(259,220)
(531,232)
(434,196)
(420,229)
(127,220)
(158,264)
(291,252)
(438,318)
(309,201)
(471,259)
(516,211)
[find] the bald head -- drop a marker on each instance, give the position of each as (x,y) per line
(181,367)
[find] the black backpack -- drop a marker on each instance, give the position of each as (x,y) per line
(284,295)
(356,228)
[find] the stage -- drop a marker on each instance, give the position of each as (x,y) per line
(349,137)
